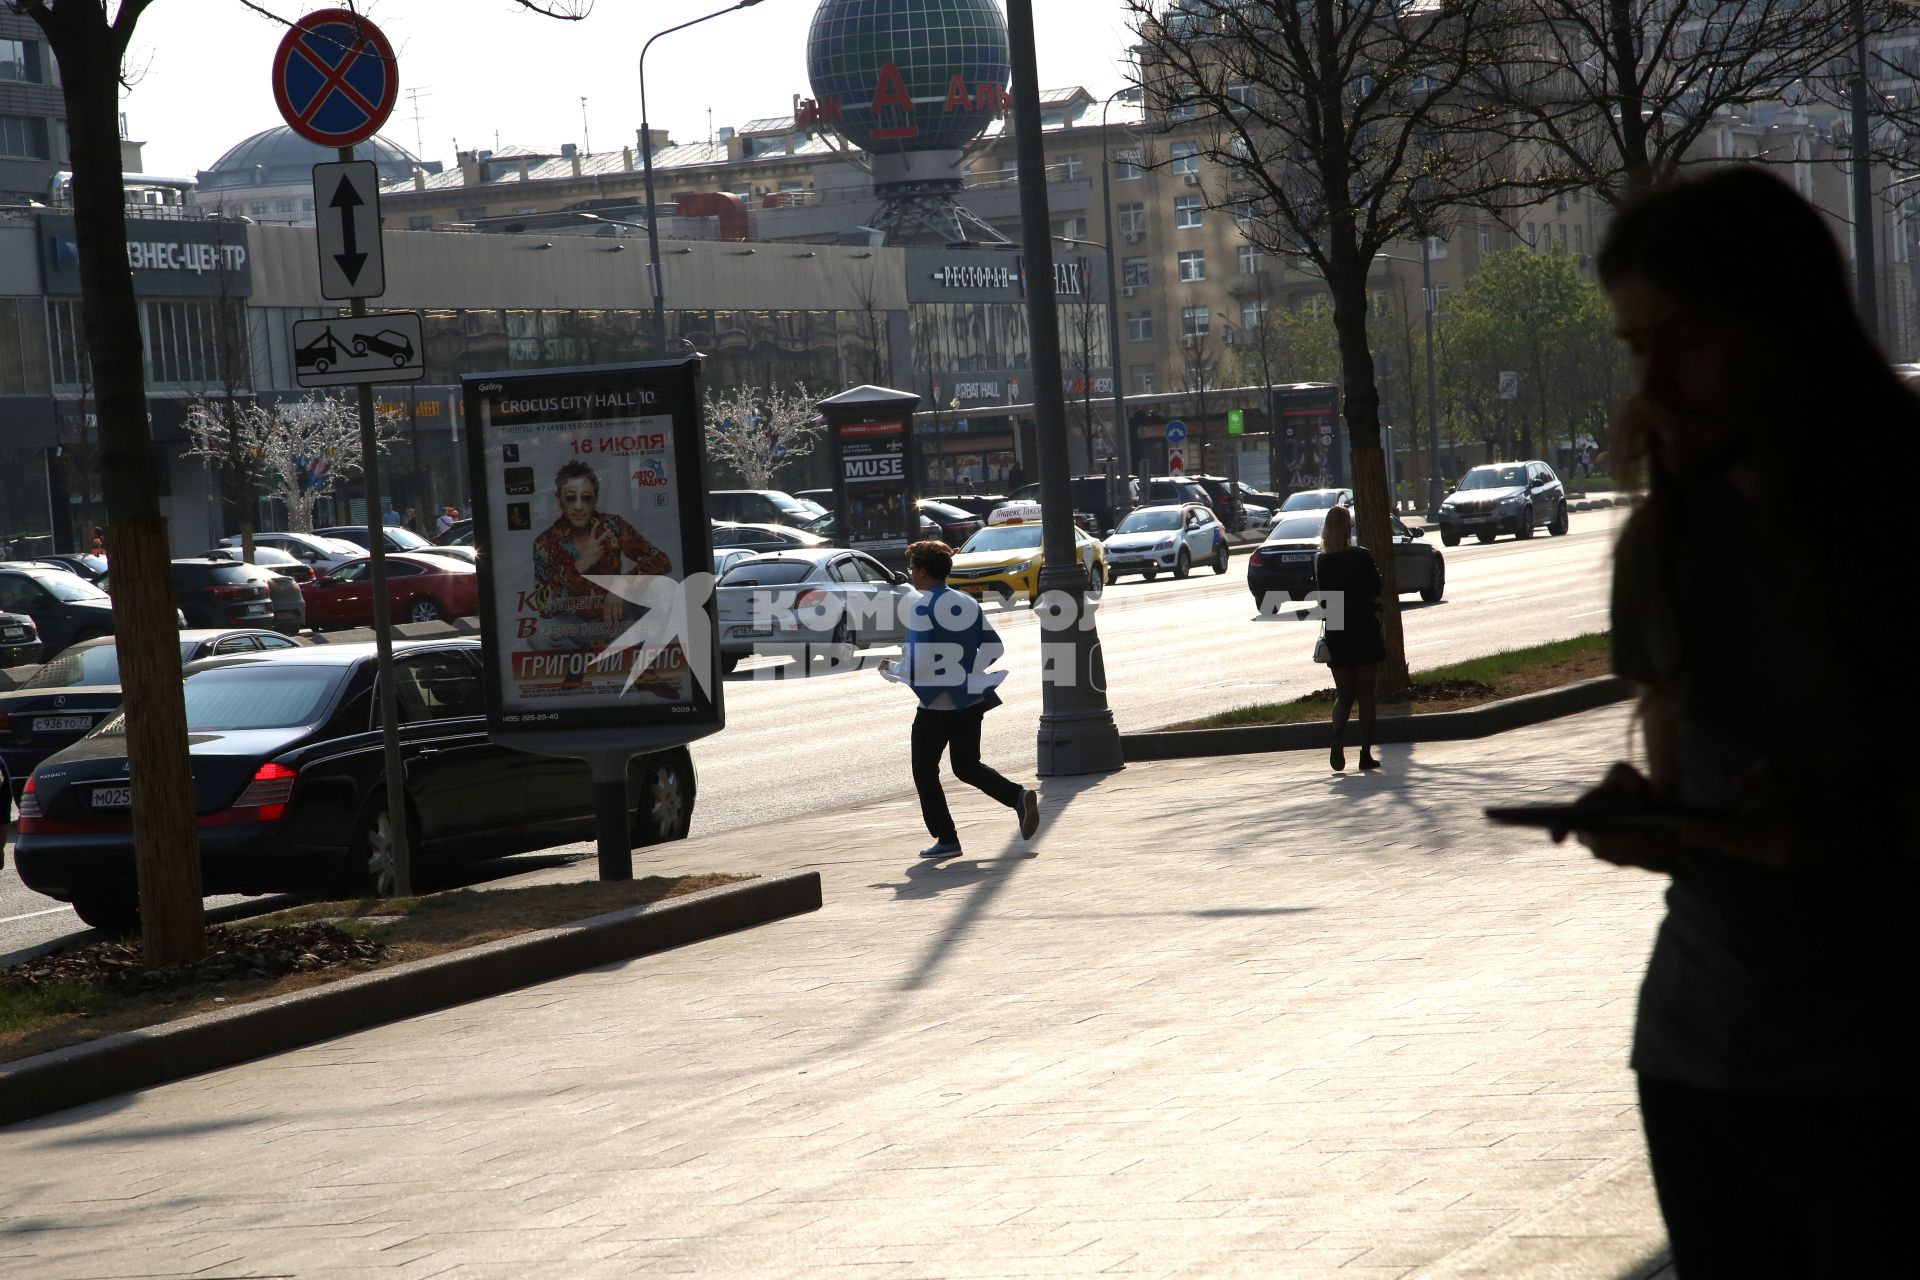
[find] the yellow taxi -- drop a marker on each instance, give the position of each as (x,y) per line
(1004,559)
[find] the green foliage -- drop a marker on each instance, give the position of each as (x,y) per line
(23,1008)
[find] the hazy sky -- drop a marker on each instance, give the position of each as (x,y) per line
(487,67)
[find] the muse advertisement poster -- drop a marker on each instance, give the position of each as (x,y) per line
(591,523)
(878,512)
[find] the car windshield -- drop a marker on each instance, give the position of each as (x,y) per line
(1298,528)
(787,503)
(404,538)
(1494,478)
(69,586)
(1148,521)
(1006,537)
(1310,500)
(97,664)
(768,573)
(253,696)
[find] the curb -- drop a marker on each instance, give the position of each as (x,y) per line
(133,1060)
(1443,726)
(1606,1225)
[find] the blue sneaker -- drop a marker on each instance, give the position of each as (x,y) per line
(941,849)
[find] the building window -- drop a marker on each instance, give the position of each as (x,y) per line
(1133,219)
(1186,211)
(1436,247)
(1249,259)
(1126,166)
(1133,273)
(306,205)
(188,344)
(1070,166)
(1141,375)
(1253,315)
(20,61)
(1074,228)
(24,138)
(1580,239)
(1530,237)
(1193,265)
(1180,103)
(283,206)
(1243,207)
(470,215)
(1483,238)
(1195,322)
(1241,95)
(420,222)
(1186,157)
(1560,235)
(69,343)
(1139,326)
(1440,299)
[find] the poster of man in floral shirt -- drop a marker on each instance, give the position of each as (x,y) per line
(586,542)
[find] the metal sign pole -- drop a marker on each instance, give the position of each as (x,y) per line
(399,844)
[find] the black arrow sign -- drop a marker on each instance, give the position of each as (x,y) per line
(346,199)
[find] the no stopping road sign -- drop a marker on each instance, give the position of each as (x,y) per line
(335,78)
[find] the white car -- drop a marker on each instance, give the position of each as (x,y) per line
(1170,538)
(309,548)
(809,595)
(1315,500)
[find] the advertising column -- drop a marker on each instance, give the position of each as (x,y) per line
(874,464)
(595,568)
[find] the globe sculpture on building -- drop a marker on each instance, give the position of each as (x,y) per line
(911,82)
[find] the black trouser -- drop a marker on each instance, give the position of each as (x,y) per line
(958,731)
(1812,1185)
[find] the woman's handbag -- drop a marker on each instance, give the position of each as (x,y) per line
(1320,651)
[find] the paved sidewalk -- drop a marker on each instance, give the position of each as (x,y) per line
(1223,1017)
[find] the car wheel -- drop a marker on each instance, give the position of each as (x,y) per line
(1220,558)
(1450,537)
(1526,522)
(1559,525)
(373,869)
(1484,537)
(1436,582)
(663,789)
(114,915)
(425,609)
(836,646)
(1150,574)
(1112,577)
(1184,565)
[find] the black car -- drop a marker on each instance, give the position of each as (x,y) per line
(214,592)
(980,504)
(759,506)
(65,607)
(1504,497)
(391,343)
(288,777)
(1169,491)
(1284,562)
(397,537)
(19,640)
(91,567)
(61,702)
(762,537)
(457,534)
(1090,499)
(957,524)
(1224,501)
(272,559)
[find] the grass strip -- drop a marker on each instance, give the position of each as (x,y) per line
(1452,687)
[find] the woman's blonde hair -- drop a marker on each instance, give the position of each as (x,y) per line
(1337,533)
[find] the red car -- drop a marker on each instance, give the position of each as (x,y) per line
(420,588)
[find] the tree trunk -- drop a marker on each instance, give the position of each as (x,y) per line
(167,851)
(1348,283)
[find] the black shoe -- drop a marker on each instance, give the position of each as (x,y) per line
(1337,758)
(1366,759)
(941,849)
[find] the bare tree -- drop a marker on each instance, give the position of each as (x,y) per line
(871,355)
(1615,96)
(1344,125)
(756,431)
(89,39)
(1086,348)
(298,451)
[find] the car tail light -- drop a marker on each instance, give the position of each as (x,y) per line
(6,724)
(1257,558)
(235,593)
(809,598)
(29,810)
(264,800)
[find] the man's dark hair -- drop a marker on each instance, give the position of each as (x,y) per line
(933,556)
(573,470)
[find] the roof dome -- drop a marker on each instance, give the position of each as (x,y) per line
(909,75)
(280,157)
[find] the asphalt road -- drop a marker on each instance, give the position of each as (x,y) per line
(807,741)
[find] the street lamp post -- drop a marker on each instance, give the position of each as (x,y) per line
(1077,733)
(646,168)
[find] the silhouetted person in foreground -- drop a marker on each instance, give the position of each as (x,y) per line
(1776,1064)
(1355,649)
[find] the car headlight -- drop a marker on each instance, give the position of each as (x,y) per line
(1165,544)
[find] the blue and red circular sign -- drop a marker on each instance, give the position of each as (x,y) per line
(335,78)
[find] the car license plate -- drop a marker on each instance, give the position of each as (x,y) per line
(14,633)
(61,724)
(113,797)
(1298,558)
(256,611)
(755,629)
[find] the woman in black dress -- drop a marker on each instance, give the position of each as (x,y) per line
(1354,647)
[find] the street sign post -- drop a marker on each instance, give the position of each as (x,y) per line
(343,351)
(1236,422)
(335,78)
(1509,384)
(1176,432)
(346,202)
(597,613)
(1176,461)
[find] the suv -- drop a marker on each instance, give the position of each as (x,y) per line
(1224,501)
(758,506)
(1170,491)
(217,592)
(1504,497)
(1090,498)
(64,606)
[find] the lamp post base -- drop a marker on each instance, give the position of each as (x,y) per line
(1077,732)
(1434,496)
